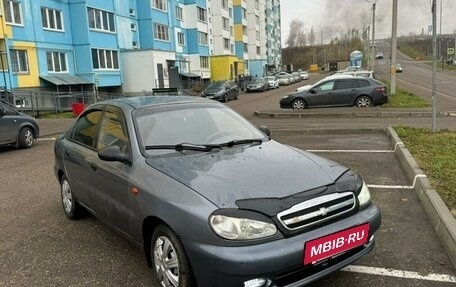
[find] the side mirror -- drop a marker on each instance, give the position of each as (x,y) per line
(312,91)
(112,153)
(265,130)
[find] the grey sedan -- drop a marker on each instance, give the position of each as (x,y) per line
(16,128)
(212,200)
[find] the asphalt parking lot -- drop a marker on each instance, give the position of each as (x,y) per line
(39,246)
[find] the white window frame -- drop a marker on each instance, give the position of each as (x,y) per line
(204,62)
(16,61)
(9,5)
(161,30)
(179,13)
(57,59)
(225,4)
(202,38)
(180,38)
(160,5)
(226,43)
(226,23)
(48,19)
(99,16)
(106,56)
(202,14)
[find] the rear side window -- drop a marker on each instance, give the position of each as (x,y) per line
(363,83)
(343,84)
(113,130)
(86,128)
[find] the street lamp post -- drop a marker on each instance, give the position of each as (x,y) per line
(434,64)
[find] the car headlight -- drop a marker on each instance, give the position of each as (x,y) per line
(364,195)
(233,228)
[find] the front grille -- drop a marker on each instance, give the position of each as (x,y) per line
(317,210)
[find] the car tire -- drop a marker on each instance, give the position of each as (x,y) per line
(298,104)
(363,102)
(26,137)
(236,95)
(169,260)
(69,203)
(224,98)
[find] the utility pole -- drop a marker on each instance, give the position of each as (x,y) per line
(434,63)
(373,34)
(394,49)
(441,5)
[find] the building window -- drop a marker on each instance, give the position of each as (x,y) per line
(179,13)
(133,27)
(180,38)
(134,44)
(101,20)
(246,48)
(202,16)
(202,38)
(257,4)
(244,30)
(258,36)
(13,14)
(226,23)
(105,59)
(160,5)
(132,12)
(257,20)
(204,62)
(258,50)
(161,32)
(244,13)
(51,19)
(226,43)
(225,4)
(19,61)
(56,62)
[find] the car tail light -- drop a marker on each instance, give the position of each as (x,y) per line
(381,90)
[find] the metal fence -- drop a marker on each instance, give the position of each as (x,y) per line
(36,101)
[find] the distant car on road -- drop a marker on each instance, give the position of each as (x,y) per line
(16,128)
(222,91)
(360,92)
(399,68)
(304,75)
(273,82)
(284,80)
(379,55)
(258,84)
(212,200)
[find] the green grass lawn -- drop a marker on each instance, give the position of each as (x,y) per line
(436,155)
(52,115)
(406,99)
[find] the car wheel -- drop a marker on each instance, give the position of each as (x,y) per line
(236,95)
(170,263)
(363,102)
(26,137)
(298,104)
(70,206)
(224,98)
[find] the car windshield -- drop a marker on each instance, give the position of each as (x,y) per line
(257,81)
(215,86)
(191,126)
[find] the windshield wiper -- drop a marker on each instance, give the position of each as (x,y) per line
(238,142)
(181,147)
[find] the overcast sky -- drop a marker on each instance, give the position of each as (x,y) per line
(334,17)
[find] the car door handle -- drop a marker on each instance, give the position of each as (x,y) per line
(93,166)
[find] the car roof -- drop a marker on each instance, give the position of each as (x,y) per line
(146,101)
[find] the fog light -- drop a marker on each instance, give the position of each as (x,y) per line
(257,282)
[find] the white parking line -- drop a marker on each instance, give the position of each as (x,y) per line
(400,273)
(352,150)
(397,186)
(46,139)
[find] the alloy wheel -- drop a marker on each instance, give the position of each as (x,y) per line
(67,197)
(166,262)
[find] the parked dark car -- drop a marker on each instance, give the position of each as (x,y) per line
(257,84)
(221,91)
(212,199)
(16,128)
(360,92)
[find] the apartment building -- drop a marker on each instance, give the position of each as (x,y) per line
(131,46)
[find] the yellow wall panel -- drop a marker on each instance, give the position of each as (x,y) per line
(237,2)
(238,33)
(32,78)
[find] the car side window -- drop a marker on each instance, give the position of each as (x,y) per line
(363,83)
(113,130)
(343,85)
(86,128)
(328,86)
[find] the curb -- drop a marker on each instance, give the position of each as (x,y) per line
(441,218)
(414,114)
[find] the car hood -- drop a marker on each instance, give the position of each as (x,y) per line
(269,170)
(303,88)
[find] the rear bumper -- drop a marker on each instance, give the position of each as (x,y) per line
(280,261)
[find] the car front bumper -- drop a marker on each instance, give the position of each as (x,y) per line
(280,262)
